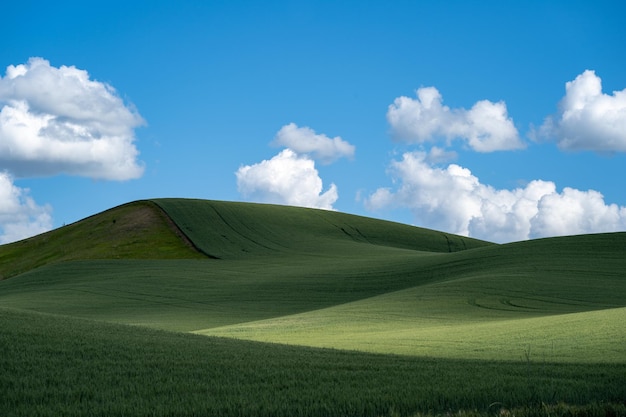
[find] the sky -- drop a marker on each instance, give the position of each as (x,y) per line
(503,121)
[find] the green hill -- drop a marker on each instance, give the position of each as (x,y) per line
(322,278)
(274,261)
(534,322)
(186,229)
(228,230)
(561,298)
(137,230)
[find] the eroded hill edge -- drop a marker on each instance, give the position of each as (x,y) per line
(137,230)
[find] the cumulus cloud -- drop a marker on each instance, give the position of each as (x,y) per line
(20,216)
(575,212)
(438,155)
(587,118)
(486,127)
(287,178)
(304,141)
(452,199)
(58,120)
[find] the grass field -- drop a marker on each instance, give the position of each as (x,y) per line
(419,321)
(64,366)
(496,303)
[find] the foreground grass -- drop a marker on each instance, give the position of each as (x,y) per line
(55,365)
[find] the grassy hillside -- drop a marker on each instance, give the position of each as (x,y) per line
(190,295)
(136,230)
(475,311)
(228,230)
(274,261)
(560,298)
(294,276)
(322,278)
(184,229)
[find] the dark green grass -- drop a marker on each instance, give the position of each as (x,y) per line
(229,230)
(529,279)
(189,295)
(54,366)
(137,230)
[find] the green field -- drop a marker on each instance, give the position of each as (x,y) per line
(194,307)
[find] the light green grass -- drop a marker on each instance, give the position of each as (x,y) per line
(137,230)
(64,366)
(596,336)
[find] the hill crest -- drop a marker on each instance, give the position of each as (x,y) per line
(175,228)
(224,229)
(136,230)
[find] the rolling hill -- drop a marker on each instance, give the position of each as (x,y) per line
(224,307)
(137,230)
(321,278)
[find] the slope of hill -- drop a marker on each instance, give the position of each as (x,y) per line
(185,228)
(463,324)
(561,298)
(313,277)
(137,230)
(274,260)
(229,230)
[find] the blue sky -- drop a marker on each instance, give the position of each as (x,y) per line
(499,120)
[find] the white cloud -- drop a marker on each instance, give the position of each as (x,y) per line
(452,199)
(58,120)
(438,155)
(288,179)
(304,141)
(588,119)
(486,126)
(576,212)
(20,216)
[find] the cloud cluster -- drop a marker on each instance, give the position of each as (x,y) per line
(450,197)
(58,120)
(20,216)
(587,118)
(304,141)
(453,200)
(291,177)
(486,127)
(287,178)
